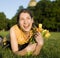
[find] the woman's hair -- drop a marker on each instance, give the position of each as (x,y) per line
(24,11)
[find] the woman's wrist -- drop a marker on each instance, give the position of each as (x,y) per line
(40,43)
(30,48)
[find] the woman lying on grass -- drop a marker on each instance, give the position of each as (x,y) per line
(21,33)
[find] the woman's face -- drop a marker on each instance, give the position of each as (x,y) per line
(25,21)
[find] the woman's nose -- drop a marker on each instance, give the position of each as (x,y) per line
(25,21)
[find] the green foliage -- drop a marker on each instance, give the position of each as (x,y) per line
(47,12)
(6,23)
(2,21)
(19,9)
(4,33)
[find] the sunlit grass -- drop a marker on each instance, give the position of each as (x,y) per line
(51,48)
(4,33)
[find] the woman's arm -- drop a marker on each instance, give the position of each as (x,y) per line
(37,50)
(14,45)
(40,43)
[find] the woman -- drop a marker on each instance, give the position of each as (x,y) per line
(21,33)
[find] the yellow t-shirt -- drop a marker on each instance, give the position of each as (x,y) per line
(21,37)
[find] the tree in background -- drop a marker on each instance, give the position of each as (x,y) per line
(46,12)
(14,19)
(2,21)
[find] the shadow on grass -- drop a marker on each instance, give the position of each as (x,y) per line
(0,55)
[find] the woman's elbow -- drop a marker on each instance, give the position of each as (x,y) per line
(19,53)
(15,52)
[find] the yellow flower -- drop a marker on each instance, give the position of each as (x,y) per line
(44,32)
(40,26)
(4,43)
(4,40)
(47,35)
(39,29)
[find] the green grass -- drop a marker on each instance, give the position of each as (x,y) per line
(4,33)
(51,48)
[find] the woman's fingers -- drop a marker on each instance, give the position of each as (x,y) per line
(31,47)
(38,38)
(38,35)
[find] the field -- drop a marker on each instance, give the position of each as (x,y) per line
(51,48)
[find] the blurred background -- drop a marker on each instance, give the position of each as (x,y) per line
(46,12)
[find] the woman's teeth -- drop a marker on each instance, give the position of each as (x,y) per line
(26,26)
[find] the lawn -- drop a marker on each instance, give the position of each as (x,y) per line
(4,33)
(51,48)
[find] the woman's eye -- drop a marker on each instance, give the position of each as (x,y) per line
(22,19)
(28,18)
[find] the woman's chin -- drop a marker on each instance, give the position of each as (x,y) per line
(26,29)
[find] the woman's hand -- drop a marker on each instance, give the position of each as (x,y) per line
(31,47)
(38,38)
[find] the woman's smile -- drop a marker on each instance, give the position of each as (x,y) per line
(26,26)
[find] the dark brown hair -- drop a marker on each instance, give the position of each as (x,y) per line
(24,11)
